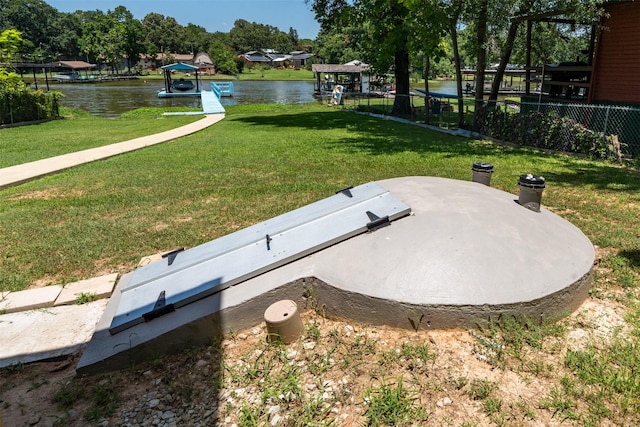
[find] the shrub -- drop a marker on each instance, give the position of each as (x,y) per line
(19,103)
(548,131)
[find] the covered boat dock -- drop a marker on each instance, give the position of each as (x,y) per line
(353,77)
(173,88)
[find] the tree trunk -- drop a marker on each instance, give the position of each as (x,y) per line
(505,55)
(458,65)
(402,102)
(504,60)
(482,57)
(427,98)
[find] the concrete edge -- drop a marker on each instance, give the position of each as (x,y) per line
(99,287)
(209,319)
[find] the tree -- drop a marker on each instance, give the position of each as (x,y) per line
(386,25)
(223,57)
(339,47)
(246,36)
(132,33)
(10,41)
(164,33)
(293,36)
(67,30)
(31,17)
(429,21)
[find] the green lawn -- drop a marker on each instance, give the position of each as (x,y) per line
(264,160)
(79,131)
(261,161)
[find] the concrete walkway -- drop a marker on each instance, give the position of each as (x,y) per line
(19,174)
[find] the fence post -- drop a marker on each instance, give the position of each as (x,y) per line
(606,119)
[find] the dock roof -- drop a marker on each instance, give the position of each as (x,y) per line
(179,66)
(338,68)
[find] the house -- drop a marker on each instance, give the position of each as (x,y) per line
(203,61)
(255,57)
(276,59)
(163,58)
(614,78)
(608,71)
(601,89)
(300,58)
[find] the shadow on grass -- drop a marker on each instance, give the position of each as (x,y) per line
(372,135)
(633,256)
(383,137)
(600,175)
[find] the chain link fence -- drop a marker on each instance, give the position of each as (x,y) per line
(601,131)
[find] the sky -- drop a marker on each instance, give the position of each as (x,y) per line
(213,15)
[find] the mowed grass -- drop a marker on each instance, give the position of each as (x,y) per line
(79,131)
(262,161)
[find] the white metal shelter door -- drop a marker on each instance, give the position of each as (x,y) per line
(184,277)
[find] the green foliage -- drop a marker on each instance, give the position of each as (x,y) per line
(548,131)
(84,298)
(223,57)
(9,44)
(246,36)
(18,103)
(105,400)
(392,404)
(609,374)
(480,389)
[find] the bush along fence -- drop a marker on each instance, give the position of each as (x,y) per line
(605,132)
(22,104)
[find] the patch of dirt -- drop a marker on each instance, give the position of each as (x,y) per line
(359,358)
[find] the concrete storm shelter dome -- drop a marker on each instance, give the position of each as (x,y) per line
(451,253)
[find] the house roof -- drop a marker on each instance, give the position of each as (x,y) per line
(180,57)
(301,55)
(255,57)
(202,58)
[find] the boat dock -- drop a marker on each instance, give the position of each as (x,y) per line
(211,103)
(222,88)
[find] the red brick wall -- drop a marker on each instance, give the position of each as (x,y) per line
(617,64)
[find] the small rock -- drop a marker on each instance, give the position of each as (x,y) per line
(446,401)
(275,420)
(153,403)
(243,336)
(310,387)
(292,354)
(309,345)
(256,331)
(273,409)
(201,363)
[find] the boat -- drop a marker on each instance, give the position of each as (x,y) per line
(66,77)
(180,88)
(182,85)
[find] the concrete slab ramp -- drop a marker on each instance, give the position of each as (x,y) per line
(466,253)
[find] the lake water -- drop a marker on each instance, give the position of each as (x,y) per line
(114,98)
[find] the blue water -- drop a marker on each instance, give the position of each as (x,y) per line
(110,99)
